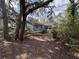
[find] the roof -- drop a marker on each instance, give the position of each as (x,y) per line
(40,24)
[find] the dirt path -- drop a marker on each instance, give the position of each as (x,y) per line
(36,46)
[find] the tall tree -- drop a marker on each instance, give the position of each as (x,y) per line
(18,22)
(5,20)
(27,9)
(73,7)
(23,8)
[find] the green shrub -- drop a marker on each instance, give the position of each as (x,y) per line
(1,29)
(58,31)
(54,32)
(68,33)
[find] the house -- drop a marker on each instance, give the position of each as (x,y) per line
(38,27)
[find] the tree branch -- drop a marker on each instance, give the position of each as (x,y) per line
(37,5)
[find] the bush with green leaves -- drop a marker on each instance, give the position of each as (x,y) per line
(54,32)
(69,31)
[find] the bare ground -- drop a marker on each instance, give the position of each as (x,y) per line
(36,46)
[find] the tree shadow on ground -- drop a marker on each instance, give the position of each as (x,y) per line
(32,48)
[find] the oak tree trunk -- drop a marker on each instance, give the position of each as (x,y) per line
(5,20)
(23,20)
(18,25)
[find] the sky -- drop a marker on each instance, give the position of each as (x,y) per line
(57,3)
(59,8)
(61,2)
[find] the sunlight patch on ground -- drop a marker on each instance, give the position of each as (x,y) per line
(51,51)
(22,56)
(39,58)
(6,43)
(76,55)
(57,48)
(41,39)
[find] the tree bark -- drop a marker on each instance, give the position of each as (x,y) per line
(22,29)
(5,20)
(18,22)
(18,25)
(22,2)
